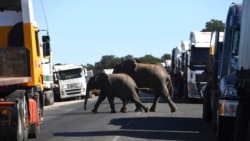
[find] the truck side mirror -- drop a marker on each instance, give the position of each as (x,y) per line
(46,49)
(46,39)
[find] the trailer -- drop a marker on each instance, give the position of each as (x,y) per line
(21,72)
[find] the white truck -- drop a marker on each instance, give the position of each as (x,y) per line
(70,80)
(197,54)
(48,80)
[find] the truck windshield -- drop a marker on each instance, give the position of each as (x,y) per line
(198,58)
(70,74)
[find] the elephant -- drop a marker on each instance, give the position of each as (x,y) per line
(114,85)
(153,76)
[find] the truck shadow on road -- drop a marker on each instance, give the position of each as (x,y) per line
(167,128)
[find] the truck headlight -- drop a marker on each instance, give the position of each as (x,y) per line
(79,85)
(228,107)
(230,91)
(65,86)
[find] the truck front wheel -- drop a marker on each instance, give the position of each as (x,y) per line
(207,113)
(225,128)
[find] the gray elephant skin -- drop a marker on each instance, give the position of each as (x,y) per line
(153,76)
(111,86)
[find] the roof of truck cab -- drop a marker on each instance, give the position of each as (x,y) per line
(200,39)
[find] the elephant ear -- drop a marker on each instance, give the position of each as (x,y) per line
(118,68)
(128,66)
(101,79)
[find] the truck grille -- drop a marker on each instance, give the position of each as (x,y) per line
(73,91)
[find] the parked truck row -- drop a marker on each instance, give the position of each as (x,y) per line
(189,62)
(218,71)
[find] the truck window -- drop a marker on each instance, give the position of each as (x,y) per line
(235,42)
(198,57)
(70,74)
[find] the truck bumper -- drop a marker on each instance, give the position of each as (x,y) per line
(69,93)
(227,108)
(194,91)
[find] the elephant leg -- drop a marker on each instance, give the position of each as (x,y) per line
(154,105)
(99,101)
(138,108)
(138,103)
(124,108)
(111,103)
(171,104)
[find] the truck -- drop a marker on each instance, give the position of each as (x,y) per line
(212,69)
(196,53)
(48,82)
(242,118)
(179,69)
(21,74)
(221,99)
(70,81)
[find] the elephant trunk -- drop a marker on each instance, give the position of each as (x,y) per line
(86,99)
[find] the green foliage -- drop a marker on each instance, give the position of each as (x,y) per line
(149,59)
(107,61)
(214,25)
(166,57)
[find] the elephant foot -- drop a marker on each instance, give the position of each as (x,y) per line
(123,110)
(174,109)
(146,109)
(113,111)
(152,109)
(94,111)
(138,110)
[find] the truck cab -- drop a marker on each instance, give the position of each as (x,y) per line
(197,53)
(71,81)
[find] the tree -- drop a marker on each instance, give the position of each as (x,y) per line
(107,61)
(149,59)
(166,57)
(214,25)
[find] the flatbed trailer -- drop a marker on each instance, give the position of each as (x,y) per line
(13,80)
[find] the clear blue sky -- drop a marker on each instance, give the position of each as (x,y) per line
(82,31)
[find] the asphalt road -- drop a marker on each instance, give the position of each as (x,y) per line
(67,121)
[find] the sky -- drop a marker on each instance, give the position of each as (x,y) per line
(82,31)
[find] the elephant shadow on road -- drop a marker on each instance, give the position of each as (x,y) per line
(159,128)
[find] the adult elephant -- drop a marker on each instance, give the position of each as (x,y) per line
(111,86)
(152,76)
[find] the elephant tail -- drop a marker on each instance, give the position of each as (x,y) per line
(86,100)
(145,90)
(170,87)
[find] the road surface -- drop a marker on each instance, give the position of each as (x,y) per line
(67,121)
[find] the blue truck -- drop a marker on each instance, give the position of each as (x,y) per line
(220,96)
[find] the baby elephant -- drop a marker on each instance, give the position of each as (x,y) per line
(114,85)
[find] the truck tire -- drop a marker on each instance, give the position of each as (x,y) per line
(206,112)
(241,122)
(20,125)
(25,118)
(49,98)
(225,129)
(34,129)
(18,133)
